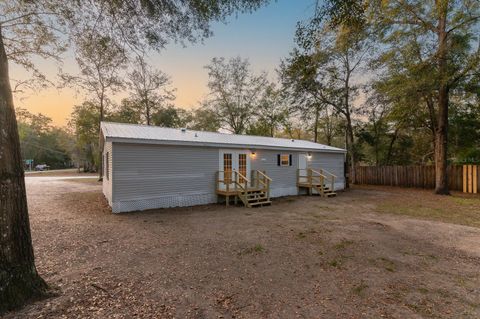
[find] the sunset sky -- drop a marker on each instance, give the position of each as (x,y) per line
(264,37)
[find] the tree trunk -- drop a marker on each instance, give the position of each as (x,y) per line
(350,150)
(441,138)
(148,113)
(350,147)
(100,162)
(19,280)
(315,127)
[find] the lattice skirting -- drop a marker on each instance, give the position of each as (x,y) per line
(163,202)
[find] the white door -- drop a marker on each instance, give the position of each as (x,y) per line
(233,160)
(302,166)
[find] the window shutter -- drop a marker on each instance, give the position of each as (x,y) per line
(290,160)
(278,159)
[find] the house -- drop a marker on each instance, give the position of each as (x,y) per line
(148,167)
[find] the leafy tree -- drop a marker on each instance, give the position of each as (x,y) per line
(464,126)
(40,141)
(204,119)
(441,47)
(234,92)
(84,121)
(270,113)
(171,117)
(43,28)
(304,87)
(100,59)
(129,111)
(150,89)
(322,71)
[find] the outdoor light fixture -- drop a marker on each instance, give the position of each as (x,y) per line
(252,153)
(309,155)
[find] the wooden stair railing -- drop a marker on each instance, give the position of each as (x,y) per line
(262,182)
(255,192)
(317,180)
(332,178)
(241,186)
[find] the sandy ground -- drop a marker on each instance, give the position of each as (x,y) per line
(302,257)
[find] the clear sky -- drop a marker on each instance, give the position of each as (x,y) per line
(264,37)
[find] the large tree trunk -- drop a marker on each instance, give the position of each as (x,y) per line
(441,140)
(19,280)
(441,137)
(350,149)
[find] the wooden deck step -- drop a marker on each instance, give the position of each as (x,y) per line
(267,202)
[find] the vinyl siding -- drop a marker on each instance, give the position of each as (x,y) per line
(332,162)
(147,176)
(107,181)
(284,178)
(153,176)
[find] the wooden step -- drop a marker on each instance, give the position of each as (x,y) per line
(267,202)
(256,195)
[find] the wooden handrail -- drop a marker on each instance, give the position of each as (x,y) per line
(264,175)
(318,173)
(327,172)
(241,175)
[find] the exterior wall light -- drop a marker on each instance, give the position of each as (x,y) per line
(309,155)
(253,154)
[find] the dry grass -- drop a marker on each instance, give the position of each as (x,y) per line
(364,254)
(92,181)
(458,208)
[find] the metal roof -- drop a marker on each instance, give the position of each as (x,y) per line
(133,133)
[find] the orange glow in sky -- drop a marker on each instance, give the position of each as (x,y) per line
(264,37)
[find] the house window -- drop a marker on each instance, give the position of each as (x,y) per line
(107,166)
(227,168)
(242,166)
(284,160)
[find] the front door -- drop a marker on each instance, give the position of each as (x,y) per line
(233,160)
(302,166)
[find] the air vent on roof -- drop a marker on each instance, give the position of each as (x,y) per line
(183,129)
(293,140)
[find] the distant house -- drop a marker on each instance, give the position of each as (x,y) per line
(148,167)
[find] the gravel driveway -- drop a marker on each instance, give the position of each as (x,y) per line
(302,257)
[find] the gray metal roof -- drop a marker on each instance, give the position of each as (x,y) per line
(133,133)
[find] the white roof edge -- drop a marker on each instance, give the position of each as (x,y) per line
(218,145)
(137,133)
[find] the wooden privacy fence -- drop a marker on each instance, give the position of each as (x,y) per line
(470,179)
(460,177)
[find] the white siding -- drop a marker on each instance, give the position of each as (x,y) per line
(332,162)
(147,176)
(284,177)
(153,176)
(107,180)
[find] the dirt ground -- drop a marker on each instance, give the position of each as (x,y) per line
(371,252)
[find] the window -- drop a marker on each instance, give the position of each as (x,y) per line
(242,166)
(284,160)
(227,167)
(107,166)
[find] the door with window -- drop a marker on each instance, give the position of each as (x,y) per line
(233,160)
